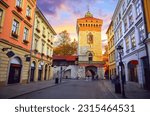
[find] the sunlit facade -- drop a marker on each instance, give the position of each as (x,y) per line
(129,32)
(42,48)
(16,28)
(89,46)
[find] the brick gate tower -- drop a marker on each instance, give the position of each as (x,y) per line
(89,46)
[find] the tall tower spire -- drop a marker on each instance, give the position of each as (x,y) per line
(88,14)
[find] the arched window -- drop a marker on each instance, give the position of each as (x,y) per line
(90,38)
(90,57)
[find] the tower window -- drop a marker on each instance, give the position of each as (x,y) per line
(90,57)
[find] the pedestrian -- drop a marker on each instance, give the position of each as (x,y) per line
(117,84)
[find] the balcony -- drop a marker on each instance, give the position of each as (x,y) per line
(38,30)
(14,34)
(35,51)
(48,40)
(19,9)
(26,41)
(44,35)
(42,54)
(48,56)
(28,17)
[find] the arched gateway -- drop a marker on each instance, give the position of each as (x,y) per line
(15,70)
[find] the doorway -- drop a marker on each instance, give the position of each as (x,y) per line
(15,71)
(32,72)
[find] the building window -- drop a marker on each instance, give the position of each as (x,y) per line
(48,35)
(15,28)
(125,25)
(130,18)
(138,8)
(28,12)
(35,44)
(119,16)
(90,57)
(133,41)
(1,16)
(43,30)
(42,50)
(123,7)
(141,32)
(128,1)
(127,43)
(47,50)
(19,3)
(26,31)
(121,30)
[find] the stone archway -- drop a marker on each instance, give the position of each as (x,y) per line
(91,71)
(15,70)
(132,70)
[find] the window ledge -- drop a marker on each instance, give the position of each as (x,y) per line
(19,9)
(25,41)
(14,34)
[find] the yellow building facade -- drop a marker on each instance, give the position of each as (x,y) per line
(111,50)
(89,46)
(42,48)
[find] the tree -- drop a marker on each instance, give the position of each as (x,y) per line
(65,45)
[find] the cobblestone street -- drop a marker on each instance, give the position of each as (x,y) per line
(74,89)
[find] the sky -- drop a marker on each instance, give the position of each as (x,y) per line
(63,14)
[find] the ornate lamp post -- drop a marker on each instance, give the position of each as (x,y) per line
(120,51)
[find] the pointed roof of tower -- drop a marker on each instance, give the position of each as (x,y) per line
(88,14)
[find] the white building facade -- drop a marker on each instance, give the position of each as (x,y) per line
(129,32)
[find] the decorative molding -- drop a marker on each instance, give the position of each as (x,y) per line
(17,14)
(13,45)
(26,22)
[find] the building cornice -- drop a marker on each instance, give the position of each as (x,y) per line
(45,20)
(18,15)
(13,45)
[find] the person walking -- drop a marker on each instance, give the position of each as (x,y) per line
(117,84)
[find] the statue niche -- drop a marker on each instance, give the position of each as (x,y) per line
(90,38)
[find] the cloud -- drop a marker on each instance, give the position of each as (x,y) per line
(62,14)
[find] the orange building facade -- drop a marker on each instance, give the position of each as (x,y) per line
(16,31)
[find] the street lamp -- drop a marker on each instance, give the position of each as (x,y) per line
(120,51)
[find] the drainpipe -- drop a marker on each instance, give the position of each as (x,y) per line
(146,33)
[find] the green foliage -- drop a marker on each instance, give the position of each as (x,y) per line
(66,46)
